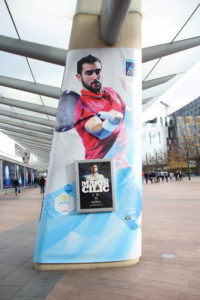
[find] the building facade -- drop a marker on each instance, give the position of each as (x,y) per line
(184,131)
(154,141)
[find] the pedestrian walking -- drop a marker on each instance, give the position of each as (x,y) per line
(16,186)
(42,183)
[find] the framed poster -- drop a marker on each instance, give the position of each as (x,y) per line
(33,176)
(95,185)
(20,174)
(27,176)
(8,174)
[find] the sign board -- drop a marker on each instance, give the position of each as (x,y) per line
(95,185)
(8,174)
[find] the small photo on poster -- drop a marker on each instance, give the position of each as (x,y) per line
(95,185)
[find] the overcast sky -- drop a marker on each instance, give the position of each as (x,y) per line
(185,90)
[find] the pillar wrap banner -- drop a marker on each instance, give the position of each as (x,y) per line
(64,235)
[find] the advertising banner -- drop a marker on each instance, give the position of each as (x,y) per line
(33,176)
(1,172)
(27,176)
(20,174)
(8,174)
(98,119)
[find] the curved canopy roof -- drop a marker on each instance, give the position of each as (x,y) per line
(34,37)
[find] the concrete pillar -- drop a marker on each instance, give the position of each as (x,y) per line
(116,233)
(86,34)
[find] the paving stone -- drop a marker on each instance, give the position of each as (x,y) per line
(171,224)
(8,291)
(40,285)
(29,298)
(19,277)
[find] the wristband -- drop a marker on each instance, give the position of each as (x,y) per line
(108,126)
(105,114)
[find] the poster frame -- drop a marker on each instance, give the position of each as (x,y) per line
(11,167)
(78,180)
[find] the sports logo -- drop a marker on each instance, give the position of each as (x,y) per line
(64,204)
(130,67)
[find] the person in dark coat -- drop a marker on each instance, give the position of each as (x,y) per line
(16,185)
(42,183)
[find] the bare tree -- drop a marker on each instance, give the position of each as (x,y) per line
(156,161)
(175,160)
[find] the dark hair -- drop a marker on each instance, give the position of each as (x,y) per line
(90,59)
(93,164)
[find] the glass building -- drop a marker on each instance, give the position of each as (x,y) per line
(154,139)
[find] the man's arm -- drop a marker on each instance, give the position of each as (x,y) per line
(69,111)
(102,129)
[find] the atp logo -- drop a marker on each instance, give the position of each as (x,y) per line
(64,203)
(130,67)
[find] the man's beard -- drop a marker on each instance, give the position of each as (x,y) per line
(92,89)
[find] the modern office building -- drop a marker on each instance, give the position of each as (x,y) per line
(184,130)
(154,140)
(162,135)
(185,122)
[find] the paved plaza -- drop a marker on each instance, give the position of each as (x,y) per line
(169,268)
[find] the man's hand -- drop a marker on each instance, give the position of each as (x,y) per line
(104,123)
(114,117)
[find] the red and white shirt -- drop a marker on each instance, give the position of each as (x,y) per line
(88,106)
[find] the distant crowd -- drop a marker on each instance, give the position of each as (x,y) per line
(38,181)
(161,176)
